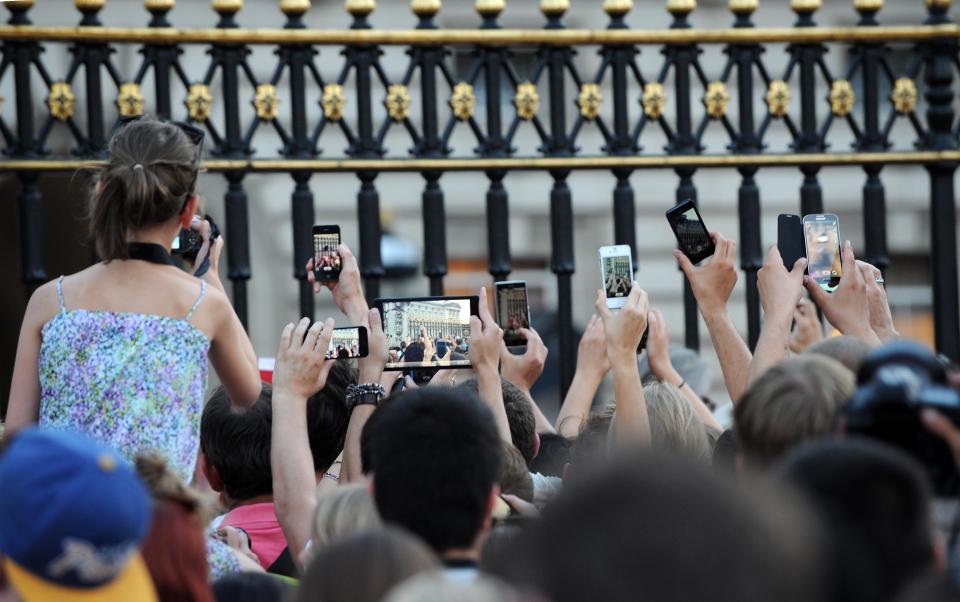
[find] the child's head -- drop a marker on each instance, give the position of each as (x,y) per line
(149,180)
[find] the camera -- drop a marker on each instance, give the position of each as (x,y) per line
(895,384)
(187,244)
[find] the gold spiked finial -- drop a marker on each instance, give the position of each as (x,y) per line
(89,4)
(554,8)
(158,4)
(617,8)
(294,7)
(18,4)
(872,5)
(227,6)
(425,8)
(489,8)
(360,8)
(681,7)
(805,6)
(743,7)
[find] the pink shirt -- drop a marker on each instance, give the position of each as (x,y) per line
(260,522)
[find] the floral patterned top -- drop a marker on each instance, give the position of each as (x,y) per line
(133,381)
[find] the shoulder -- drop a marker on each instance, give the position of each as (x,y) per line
(43,305)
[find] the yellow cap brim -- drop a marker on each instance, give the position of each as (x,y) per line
(133,583)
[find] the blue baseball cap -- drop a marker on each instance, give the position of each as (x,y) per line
(73,515)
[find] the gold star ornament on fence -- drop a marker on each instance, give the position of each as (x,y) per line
(333,102)
(716,99)
(904,95)
(130,99)
(199,102)
(267,102)
(527,100)
(841,98)
(778,98)
(463,101)
(61,100)
(654,100)
(589,100)
(398,102)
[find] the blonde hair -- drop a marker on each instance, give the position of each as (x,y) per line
(345,510)
(674,425)
(164,484)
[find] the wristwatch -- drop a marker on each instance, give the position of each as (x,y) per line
(365,394)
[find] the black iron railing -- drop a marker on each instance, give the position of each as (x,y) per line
(556,98)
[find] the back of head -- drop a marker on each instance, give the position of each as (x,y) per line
(647,526)
(251,587)
(436,458)
(514,476)
(692,368)
(523,427)
(176,555)
(796,400)
(150,173)
(365,566)
(674,426)
(875,501)
(848,350)
(327,416)
(237,444)
(439,588)
(553,455)
(342,512)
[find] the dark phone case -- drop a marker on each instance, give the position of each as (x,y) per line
(686,240)
(790,239)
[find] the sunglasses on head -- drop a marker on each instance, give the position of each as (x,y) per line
(195,134)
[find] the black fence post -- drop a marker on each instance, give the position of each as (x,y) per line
(807,56)
(231,58)
(747,141)
(940,58)
(365,146)
(683,57)
(163,58)
(431,146)
(559,144)
(298,58)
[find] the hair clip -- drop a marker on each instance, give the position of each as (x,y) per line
(137,166)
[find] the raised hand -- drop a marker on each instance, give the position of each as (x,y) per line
(658,349)
(808,330)
(592,351)
(848,307)
(780,290)
(881,320)
(712,282)
(347,290)
(524,370)
(486,337)
(371,367)
(301,369)
(624,328)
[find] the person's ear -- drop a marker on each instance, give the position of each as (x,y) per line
(491,503)
(211,474)
(189,210)
(536,444)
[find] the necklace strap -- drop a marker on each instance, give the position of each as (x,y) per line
(148,251)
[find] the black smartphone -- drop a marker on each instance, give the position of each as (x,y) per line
(692,236)
(429,332)
(326,254)
(348,342)
(790,241)
(824,259)
(513,311)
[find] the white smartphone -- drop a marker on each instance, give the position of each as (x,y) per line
(616,273)
(825,259)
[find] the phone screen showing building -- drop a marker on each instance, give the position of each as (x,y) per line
(345,344)
(427,333)
(616,276)
(692,236)
(513,313)
(326,258)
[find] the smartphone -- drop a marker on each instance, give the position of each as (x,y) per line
(513,311)
(790,240)
(692,236)
(348,342)
(616,273)
(326,256)
(430,332)
(822,237)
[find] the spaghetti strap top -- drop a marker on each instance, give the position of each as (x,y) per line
(133,381)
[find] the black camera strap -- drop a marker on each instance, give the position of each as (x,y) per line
(148,251)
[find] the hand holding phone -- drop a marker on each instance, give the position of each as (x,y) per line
(692,235)
(327,262)
(513,311)
(616,271)
(348,342)
(825,261)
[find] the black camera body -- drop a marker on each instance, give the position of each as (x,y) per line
(190,241)
(895,384)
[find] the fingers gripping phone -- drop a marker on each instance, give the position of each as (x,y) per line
(822,237)
(513,310)
(616,271)
(326,254)
(790,240)
(348,342)
(692,236)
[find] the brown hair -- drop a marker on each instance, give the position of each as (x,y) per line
(797,400)
(151,171)
(175,553)
(848,350)
(674,425)
(514,475)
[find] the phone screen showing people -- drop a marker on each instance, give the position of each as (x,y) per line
(428,332)
(692,236)
(326,256)
(824,260)
(348,342)
(616,269)
(513,311)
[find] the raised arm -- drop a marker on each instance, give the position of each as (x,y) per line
(524,370)
(658,353)
(347,290)
(780,292)
(848,307)
(712,285)
(371,371)
(592,368)
(485,340)
(881,320)
(809,330)
(299,373)
(624,329)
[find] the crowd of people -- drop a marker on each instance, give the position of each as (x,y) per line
(836,481)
